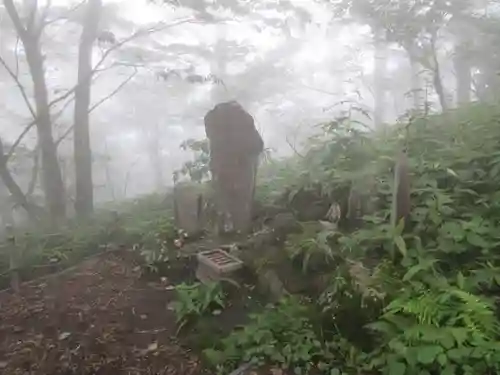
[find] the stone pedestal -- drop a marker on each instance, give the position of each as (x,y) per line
(216,264)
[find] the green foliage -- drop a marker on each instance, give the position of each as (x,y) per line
(195,300)
(67,246)
(281,335)
(410,297)
(151,233)
(312,246)
(198,169)
(446,331)
(144,223)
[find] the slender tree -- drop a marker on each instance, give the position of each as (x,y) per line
(29,30)
(84,200)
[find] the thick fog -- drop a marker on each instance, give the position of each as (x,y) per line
(160,66)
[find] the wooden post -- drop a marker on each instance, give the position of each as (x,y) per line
(13,258)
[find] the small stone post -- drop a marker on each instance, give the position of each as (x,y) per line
(13,258)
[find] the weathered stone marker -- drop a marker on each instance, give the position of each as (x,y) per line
(13,258)
(188,201)
(235,146)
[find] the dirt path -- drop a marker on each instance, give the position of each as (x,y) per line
(98,319)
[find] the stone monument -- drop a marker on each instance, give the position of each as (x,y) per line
(188,204)
(235,146)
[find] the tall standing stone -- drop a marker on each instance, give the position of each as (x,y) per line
(235,146)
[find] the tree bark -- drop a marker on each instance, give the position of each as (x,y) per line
(487,84)
(84,200)
(438,86)
(436,75)
(53,185)
(379,78)
(416,85)
(34,175)
(14,189)
(463,74)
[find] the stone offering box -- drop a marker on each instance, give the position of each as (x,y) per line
(216,264)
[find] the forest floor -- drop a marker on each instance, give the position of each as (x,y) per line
(98,318)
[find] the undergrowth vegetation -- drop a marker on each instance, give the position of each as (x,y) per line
(405,298)
(144,224)
(197,299)
(402,298)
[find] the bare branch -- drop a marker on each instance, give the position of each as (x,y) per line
(19,139)
(137,34)
(19,86)
(64,96)
(14,16)
(16,54)
(63,108)
(64,16)
(71,91)
(14,188)
(320,90)
(29,127)
(294,149)
(64,135)
(115,91)
(97,104)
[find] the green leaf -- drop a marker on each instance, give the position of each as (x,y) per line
(456,354)
(476,240)
(451,172)
(453,230)
(213,356)
(442,359)
(396,368)
(427,354)
(335,371)
(449,370)
(460,280)
(460,335)
(424,265)
(400,243)
(448,341)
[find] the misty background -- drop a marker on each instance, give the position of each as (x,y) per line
(292,64)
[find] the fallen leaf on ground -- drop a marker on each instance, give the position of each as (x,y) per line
(64,335)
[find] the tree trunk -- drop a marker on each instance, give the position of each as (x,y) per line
(109,179)
(53,185)
(34,174)
(463,74)
(14,189)
(84,200)
(487,84)
(438,86)
(416,85)
(436,75)
(379,78)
